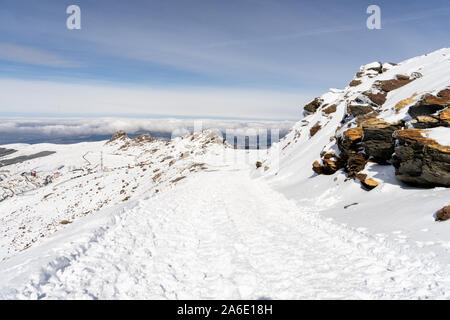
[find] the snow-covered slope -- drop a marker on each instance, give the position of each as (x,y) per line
(400,212)
(328,212)
(79,180)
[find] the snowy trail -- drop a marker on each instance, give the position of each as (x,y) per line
(223,235)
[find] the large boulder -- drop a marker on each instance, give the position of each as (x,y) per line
(421,161)
(377,140)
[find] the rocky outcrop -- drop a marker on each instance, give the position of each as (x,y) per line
(393,84)
(378,141)
(444,117)
(351,151)
(329,164)
(359,109)
(355,83)
(314,129)
(118,136)
(143,138)
(313,106)
(421,161)
(430,104)
(350,140)
(330,109)
(379,98)
(375,131)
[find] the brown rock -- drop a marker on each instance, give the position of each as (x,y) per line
(444,117)
(143,138)
(258,164)
(119,135)
(355,83)
(361,176)
(354,134)
(313,105)
(378,98)
(330,164)
(369,184)
(330,109)
(443,214)
(377,139)
(390,85)
(444,93)
(355,163)
(358,109)
(429,104)
(314,129)
(421,161)
(402,77)
(378,68)
(424,122)
(405,102)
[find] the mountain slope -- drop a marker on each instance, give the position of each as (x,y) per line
(327,214)
(218,235)
(355,134)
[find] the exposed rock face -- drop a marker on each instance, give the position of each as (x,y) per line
(143,138)
(443,214)
(359,109)
(314,129)
(119,136)
(371,137)
(330,109)
(351,151)
(423,122)
(402,77)
(355,163)
(421,161)
(379,98)
(444,117)
(330,164)
(355,83)
(390,85)
(430,104)
(313,105)
(377,140)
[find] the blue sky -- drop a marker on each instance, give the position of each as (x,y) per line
(257,59)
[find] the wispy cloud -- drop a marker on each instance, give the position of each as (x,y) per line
(34,56)
(94,98)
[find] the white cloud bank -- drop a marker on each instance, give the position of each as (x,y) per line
(24,96)
(108,126)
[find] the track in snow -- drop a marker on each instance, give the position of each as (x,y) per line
(224,235)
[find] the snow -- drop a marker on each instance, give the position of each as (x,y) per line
(192,218)
(393,206)
(441,135)
(241,241)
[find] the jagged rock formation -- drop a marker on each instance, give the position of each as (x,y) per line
(119,136)
(421,161)
(379,104)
